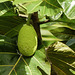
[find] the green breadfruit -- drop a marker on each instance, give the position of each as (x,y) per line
(27,40)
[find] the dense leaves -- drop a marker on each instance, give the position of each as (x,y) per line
(15,63)
(60,26)
(9,23)
(46,7)
(59,54)
(61,30)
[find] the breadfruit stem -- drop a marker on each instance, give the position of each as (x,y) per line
(29,18)
(36,26)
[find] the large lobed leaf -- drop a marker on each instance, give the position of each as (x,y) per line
(62,58)
(45,7)
(11,63)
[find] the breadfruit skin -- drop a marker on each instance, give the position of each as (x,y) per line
(27,40)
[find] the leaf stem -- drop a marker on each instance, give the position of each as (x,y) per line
(22,6)
(15,64)
(29,18)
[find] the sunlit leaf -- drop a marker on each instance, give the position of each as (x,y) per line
(60,30)
(4,0)
(68,7)
(47,37)
(62,58)
(46,7)
(22,1)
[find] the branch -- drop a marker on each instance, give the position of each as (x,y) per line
(36,25)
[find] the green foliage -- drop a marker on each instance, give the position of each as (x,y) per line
(7,44)
(10,26)
(68,8)
(46,7)
(57,27)
(7,9)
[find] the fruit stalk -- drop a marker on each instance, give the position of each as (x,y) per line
(36,26)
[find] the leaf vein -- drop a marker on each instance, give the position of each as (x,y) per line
(7,53)
(36,6)
(50,4)
(38,62)
(5,65)
(6,6)
(27,65)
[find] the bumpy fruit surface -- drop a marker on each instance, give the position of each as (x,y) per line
(27,40)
